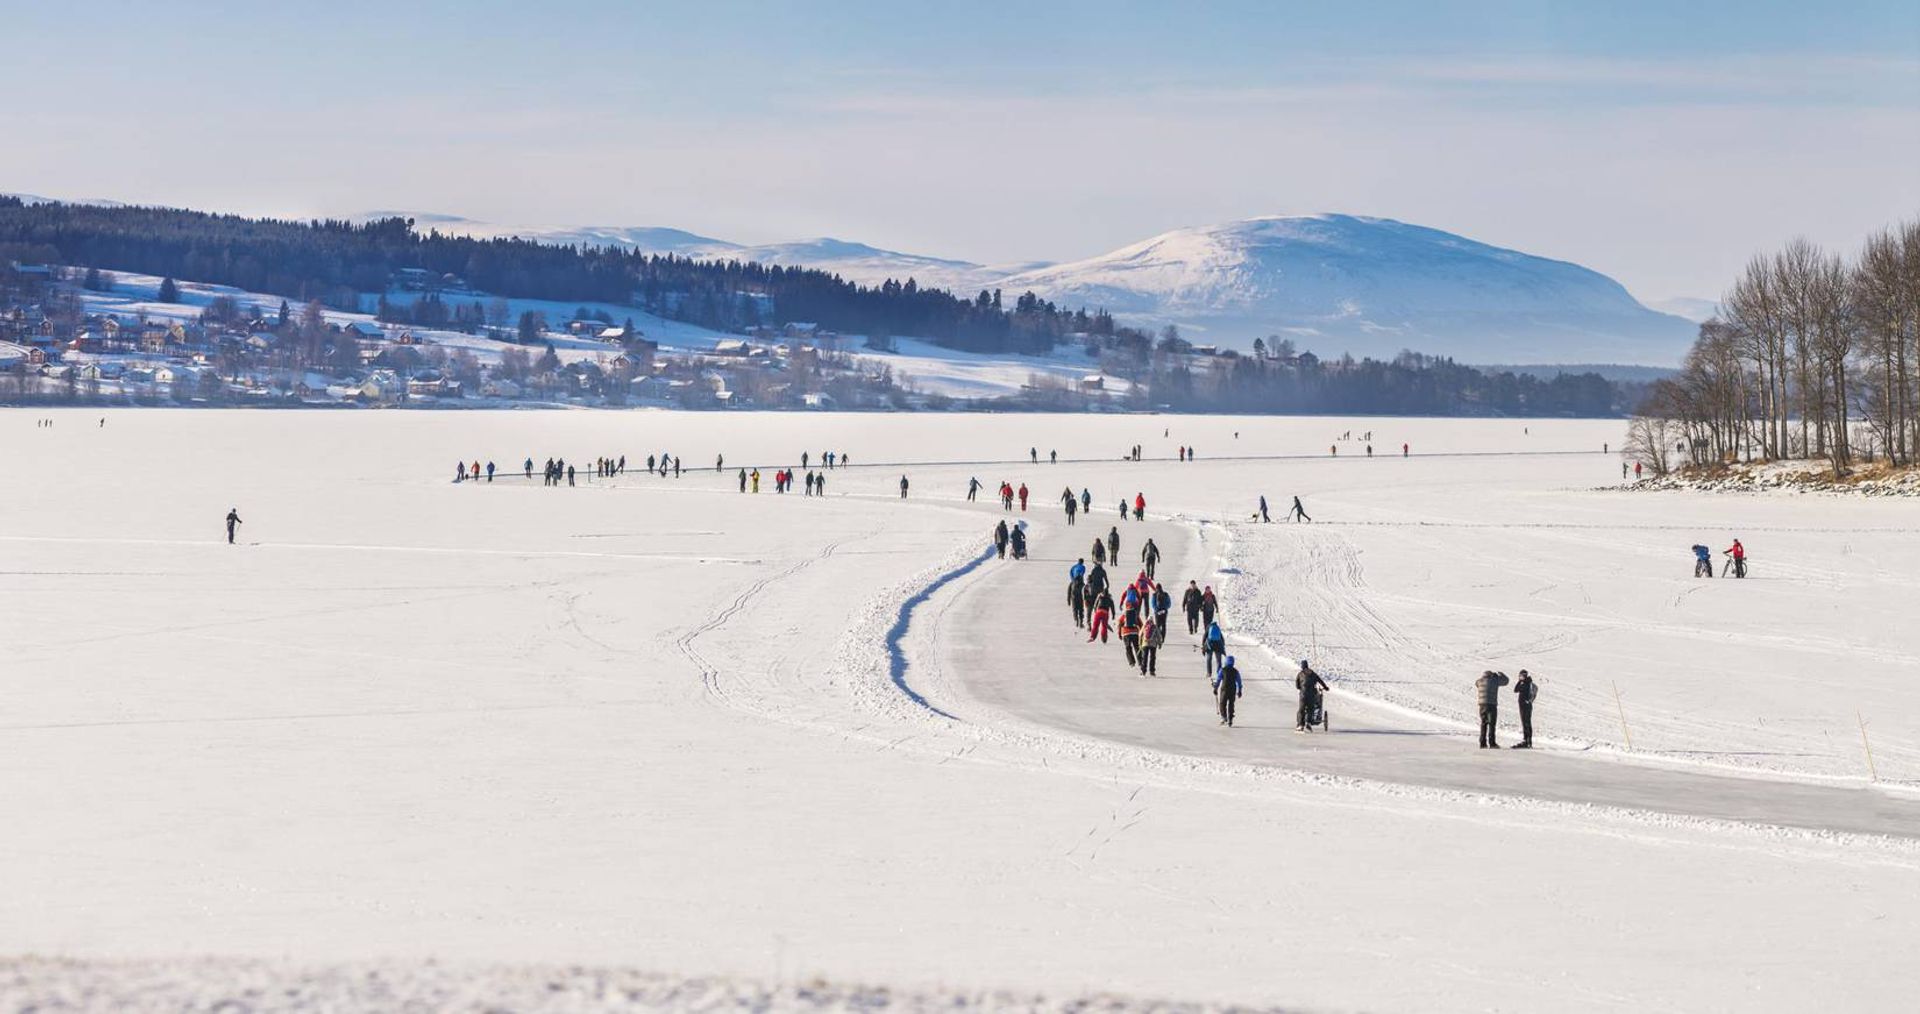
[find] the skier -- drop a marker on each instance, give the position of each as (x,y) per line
(1525,690)
(1113,544)
(1023,498)
(973,489)
(1099,627)
(1310,686)
(1139,507)
(1736,559)
(1150,649)
(1488,686)
(1214,647)
(1264,519)
(1227,690)
(1190,604)
(1150,555)
(1130,631)
(1208,606)
(1298,513)
(1077,592)
(1702,561)
(233,518)
(903,487)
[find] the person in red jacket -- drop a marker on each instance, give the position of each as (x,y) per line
(1023,497)
(1737,558)
(1139,507)
(1102,619)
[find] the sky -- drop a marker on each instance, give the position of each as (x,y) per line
(1663,144)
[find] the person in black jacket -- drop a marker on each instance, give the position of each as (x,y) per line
(1310,686)
(1113,544)
(1099,552)
(233,518)
(1150,555)
(1226,690)
(1525,690)
(1096,580)
(1077,593)
(1190,604)
(1000,540)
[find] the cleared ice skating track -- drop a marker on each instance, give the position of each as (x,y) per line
(1010,642)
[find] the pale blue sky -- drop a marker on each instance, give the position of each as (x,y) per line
(1660,145)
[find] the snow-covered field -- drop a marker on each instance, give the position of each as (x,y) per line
(658,724)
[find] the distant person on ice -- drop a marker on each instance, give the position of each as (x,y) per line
(1264,519)
(1524,691)
(973,489)
(1298,513)
(1736,559)
(1086,501)
(903,487)
(233,518)
(1311,686)
(1702,561)
(1077,592)
(1227,690)
(1488,687)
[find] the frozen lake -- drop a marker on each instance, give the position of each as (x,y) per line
(658,723)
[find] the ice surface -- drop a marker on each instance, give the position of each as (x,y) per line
(659,724)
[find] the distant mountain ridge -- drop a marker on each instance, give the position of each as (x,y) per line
(1332,283)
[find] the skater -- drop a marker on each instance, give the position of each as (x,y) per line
(233,518)
(1190,604)
(973,490)
(1488,686)
(1077,592)
(1098,627)
(1214,647)
(1150,555)
(1702,561)
(1264,519)
(1208,606)
(1298,513)
(903,487)
(1524,691)
(1130,632)
(1000,540)
(1113,544)
(1227,690)
(1736,559)
(1139,507)
(1310,686)
(1023,498)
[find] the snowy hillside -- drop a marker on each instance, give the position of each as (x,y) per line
(1375,286)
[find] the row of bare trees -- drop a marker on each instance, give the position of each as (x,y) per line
(1810,353)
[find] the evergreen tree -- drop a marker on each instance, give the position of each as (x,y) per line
(169,292)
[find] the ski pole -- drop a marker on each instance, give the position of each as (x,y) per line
(1872,775)
(1623,714)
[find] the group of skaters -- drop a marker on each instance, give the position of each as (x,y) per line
(1007,493)
(1736,555)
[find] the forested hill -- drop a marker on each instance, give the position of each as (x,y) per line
(334,261)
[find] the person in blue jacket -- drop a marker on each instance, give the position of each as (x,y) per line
(1702,561)
(1214,646)
(1077,591)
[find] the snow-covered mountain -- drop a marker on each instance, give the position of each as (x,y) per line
(1374,286)
(856,262)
